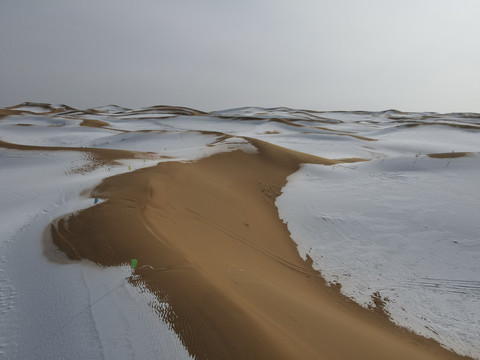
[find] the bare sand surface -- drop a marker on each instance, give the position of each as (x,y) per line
(451,155)
(218,254)
(94,123)
(6,112)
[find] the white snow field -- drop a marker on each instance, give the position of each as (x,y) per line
(403,225)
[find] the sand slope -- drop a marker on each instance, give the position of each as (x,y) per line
(217,252)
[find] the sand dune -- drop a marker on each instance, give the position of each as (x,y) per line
(228,276)
(219,255)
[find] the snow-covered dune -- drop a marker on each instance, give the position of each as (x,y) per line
(54,310)
(400,229)
(404,229)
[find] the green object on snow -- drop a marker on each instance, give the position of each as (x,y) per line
(134,263)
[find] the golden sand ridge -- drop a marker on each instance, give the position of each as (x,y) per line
(222,259)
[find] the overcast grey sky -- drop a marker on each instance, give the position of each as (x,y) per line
(412,55)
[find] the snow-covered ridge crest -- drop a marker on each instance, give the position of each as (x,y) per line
(261,112)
